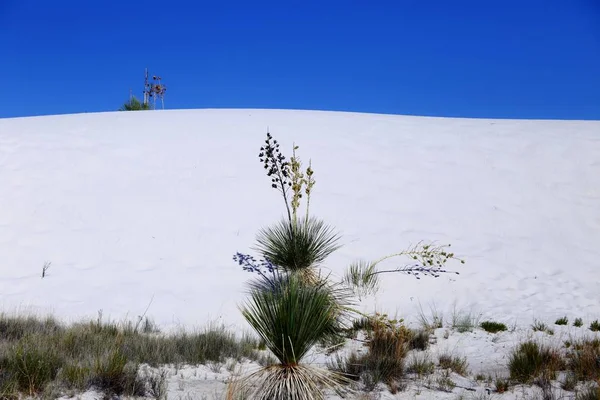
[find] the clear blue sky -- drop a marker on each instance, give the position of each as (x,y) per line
(480,58)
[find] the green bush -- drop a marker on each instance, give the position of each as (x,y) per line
(562,321)
(492,327)
(134,105)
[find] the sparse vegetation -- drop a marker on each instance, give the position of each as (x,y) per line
(578,322)
(38,353)
(570,382)
(420,364)
(434,321)
(492,326)
(562,321)
(444,383)
(463,322)
(595,326)
(454,363)
(539,326)
(290,321)
(419,340)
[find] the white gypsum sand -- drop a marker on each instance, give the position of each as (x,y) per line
(130,207)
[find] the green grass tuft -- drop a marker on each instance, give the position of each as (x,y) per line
(492,326)
(531,359)
(454,363)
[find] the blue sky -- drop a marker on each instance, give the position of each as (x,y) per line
(484,58)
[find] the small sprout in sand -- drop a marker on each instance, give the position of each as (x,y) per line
(562,321)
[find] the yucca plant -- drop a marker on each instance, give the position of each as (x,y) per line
(291,315)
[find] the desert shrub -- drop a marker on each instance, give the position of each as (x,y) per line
(492,326)
(419,340)
(589,393)
(530,360)
(570,382)
(578,322)
(595,326)
(562,321)
(75,376)
(114,375)
(351,366)
(502,384)
(387,343)
(420,364)
(454,363)
(583,359)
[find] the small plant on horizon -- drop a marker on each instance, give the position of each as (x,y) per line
(492,326)
(562,321)
(578,323)
(133,104)
(595,326)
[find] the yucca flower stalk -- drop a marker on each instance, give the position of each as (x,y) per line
(426,259)
(293,244)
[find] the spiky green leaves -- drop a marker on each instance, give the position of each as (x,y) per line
(297,246)
(291,315)
(361,277)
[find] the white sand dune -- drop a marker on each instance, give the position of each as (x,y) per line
(130,207)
